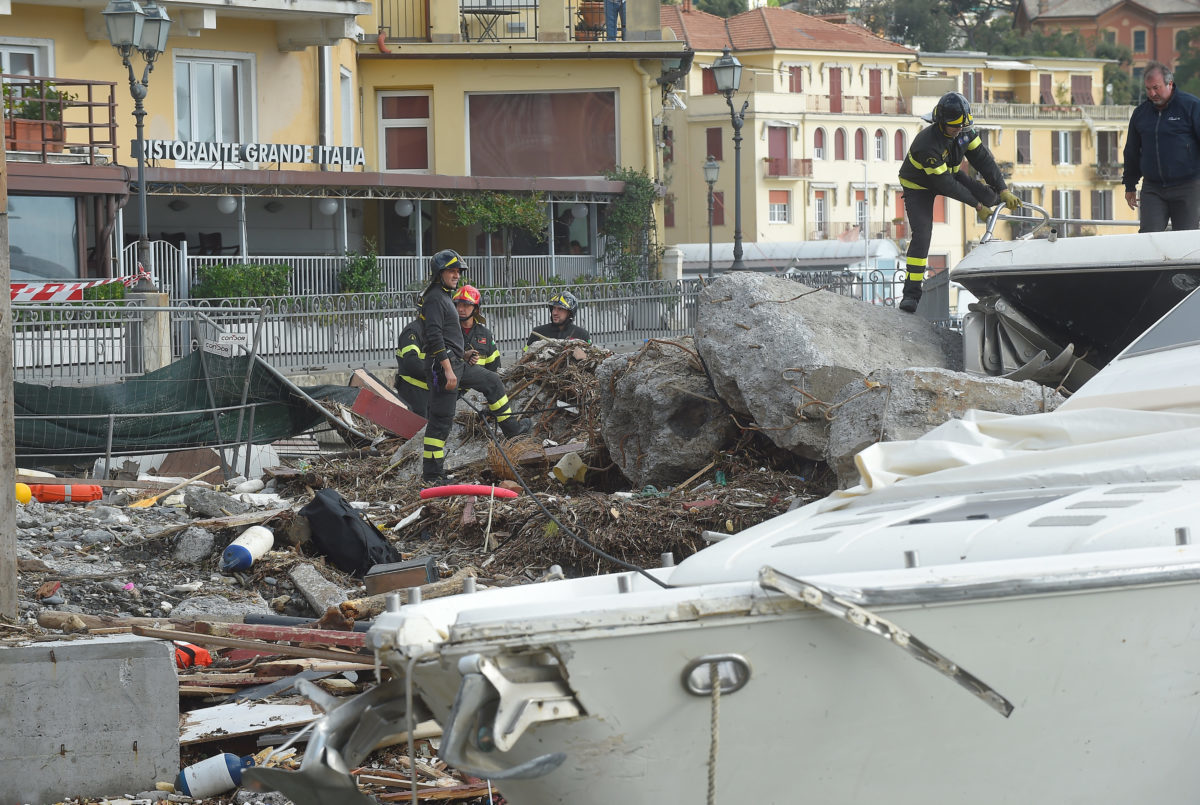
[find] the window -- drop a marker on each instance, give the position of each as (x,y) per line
(880,145)
(835,90)
(1183,40)
(405,123)
(861,211)
(795,82)
(1139,40)
(860,144)
(211,98)
(875,91)
(1102,205)
(668,145)
(939,209)
(778,206)
(1109,36)
(900,146)
(708,81)
(715,142)
(1107,147)
(820,216)
(819,144)
(1081,90)
(1065,204)
(542,133)
(42,238)
(972,86)
(1045,88)
(1024,152)
(669,211)
(839,144)
(26,56)
(1066,147)
(718,208)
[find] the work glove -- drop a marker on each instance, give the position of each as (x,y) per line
(1010,200)
(983,212)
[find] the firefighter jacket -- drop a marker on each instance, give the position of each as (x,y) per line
(411,357)
(1163,145)
(439,321)
(480,339)
(569,329)
(933,161)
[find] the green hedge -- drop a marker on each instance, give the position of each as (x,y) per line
(242,280)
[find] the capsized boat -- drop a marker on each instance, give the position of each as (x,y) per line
(1057,310)
(1005,610)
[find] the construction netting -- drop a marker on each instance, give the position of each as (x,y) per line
(202,400)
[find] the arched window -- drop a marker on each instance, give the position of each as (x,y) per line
(860,144)
(901,145)
(880,145)
(839,144)
(819,144)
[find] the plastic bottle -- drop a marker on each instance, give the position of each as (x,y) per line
(23,494)
(246,549)
(212,776)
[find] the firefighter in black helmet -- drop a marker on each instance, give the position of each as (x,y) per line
(931,169)
(563,305)
(446,368)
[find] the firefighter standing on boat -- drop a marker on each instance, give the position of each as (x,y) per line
(931,169)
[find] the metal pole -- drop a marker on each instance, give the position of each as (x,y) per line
(738,118)
(710,242)
(139,114)
(866,221)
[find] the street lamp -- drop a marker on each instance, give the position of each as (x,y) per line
(711,169)
(727,72)
(144,29)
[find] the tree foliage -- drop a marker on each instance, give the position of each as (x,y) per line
(501,212)
(1187,72)
(721,8)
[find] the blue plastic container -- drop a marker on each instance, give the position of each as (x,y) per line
(254,542)
(212,776)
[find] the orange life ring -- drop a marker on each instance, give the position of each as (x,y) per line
(66,493)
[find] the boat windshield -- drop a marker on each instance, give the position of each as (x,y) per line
(1178,328)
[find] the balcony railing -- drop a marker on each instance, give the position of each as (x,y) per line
(1037,111)
(858,105)
(781,168)
(489,21)
(1109,171)
(59,119)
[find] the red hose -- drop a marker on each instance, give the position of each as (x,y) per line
(466,489)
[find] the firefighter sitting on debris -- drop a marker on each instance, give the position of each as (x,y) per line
(563,306)
(931,170)
(411,384)
(447,368)
(481,349)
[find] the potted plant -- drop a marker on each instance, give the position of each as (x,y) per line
(591,21)
(33,116)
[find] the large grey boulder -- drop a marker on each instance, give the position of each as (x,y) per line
(660,418)
(778,352)
(896,404)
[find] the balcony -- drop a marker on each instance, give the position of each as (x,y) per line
(781,168)
(1109,171)
(504,21)
(58,119)
(1037,111)
(857,105)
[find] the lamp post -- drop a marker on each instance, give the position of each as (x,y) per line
(144,29)
(727,72)
(711,169)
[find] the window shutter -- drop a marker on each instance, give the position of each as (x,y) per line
(1045,88)
(1075,205)
(1023,148)
(777,197)
(795,82)
(669,211)
(1076,147)
(708,82)
(1055,156)
(714,141)
(978,98)
(668,145)
(1056,205)
(718,208)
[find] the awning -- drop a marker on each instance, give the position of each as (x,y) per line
(1008,64)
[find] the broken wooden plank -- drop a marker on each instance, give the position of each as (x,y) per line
(362,608)
(242,718)
(256,645)
(286,634)
(392,417)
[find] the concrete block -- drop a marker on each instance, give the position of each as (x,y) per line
(87,718)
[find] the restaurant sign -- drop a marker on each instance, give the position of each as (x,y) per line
(190,151)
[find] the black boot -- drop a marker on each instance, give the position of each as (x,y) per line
(432,470)
(912,295)
(513,428)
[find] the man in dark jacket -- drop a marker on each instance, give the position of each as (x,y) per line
(931,169)
(411,384)
(563,307)
(447,369)
(1163,150)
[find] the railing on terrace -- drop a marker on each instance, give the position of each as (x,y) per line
(488,20)
(59,119)
(781,168)
(830,230)
(857,105)
(1037,111)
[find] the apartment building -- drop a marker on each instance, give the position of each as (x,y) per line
(310,127)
